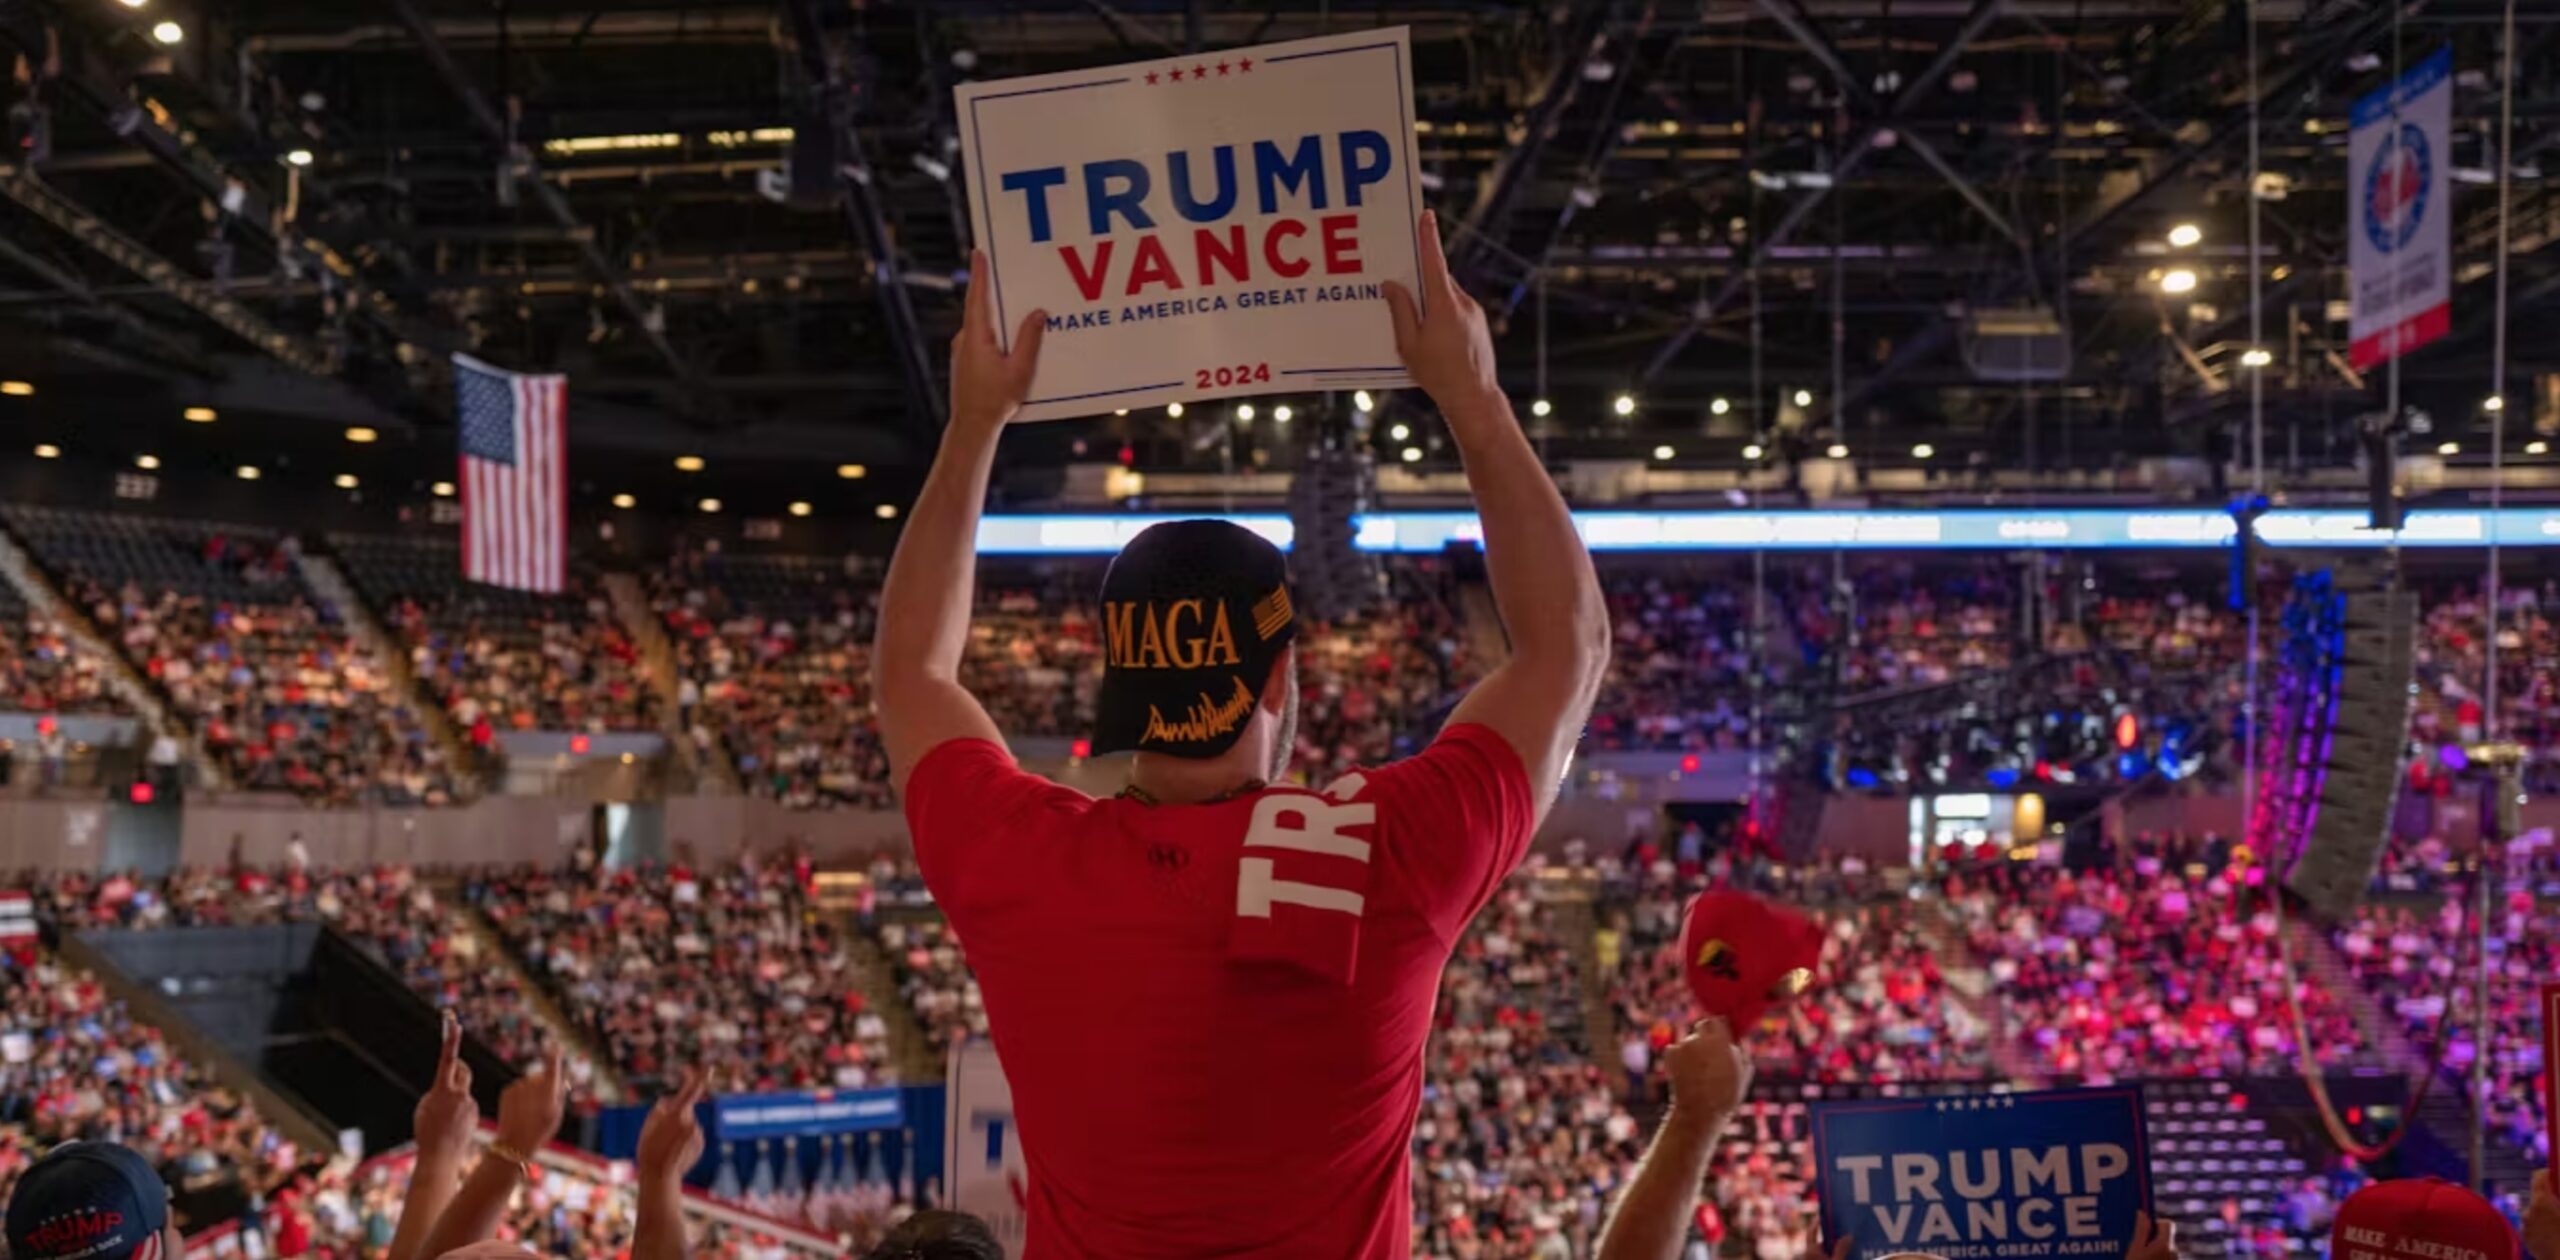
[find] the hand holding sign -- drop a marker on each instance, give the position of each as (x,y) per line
(1443,339)
(988,383)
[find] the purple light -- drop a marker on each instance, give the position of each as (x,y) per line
(2453,758)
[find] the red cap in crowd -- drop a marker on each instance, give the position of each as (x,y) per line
(2419,1219)
(1742,954)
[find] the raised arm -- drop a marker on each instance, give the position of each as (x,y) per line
(924,608)
(1709,1075)
(1542,578)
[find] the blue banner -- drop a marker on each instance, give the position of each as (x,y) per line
(1985,1176)
(742,1117)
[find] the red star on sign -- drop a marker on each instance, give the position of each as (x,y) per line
(1152,76)
(1199,72)
(1244,64)
(1177,74)
(1222,68)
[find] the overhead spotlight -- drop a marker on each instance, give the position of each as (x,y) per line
(299,157)
(1283,414)
(799,507)
(1663,452)
(2178,280)
(1804,398)
(47,450)
(2537,447)
(146,462)
(688,463)
(1753,451)
(1244,411)
(17,389)
(1720,406)
(1122,412)
(886,511)
(2448,448)
(199,415)
(1174,410)
(346,481)
(1361,400)
(2494,402)
(2256,356)
(441,489)
(360,435)
(1543,407)
(1399,431)
(1923,451)
(2185,235)
(709,505)
(248,472)
(134,4)
(1838,451)
(1413,454)
(169,33)
(625,501)
(1625,405)
(852,472)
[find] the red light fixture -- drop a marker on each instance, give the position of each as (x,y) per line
(2128,730)
(141,792)
(579,744)
(1689,764)
(1080,749)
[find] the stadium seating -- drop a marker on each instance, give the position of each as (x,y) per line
(40,670)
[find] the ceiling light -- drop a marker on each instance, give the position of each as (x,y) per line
(17,389)
(1400,431)
(47,450)
(2449,448)
(198,415)
(1662,452)
(1804,398)
(1174,410)
(2494,402)
(709,505)
(688,463)
(1625,405)
(360,434)
(1361,400)
(146,462)
(1541,407)
(852,472)
(299,157)
(1923,451)
(346,481)
(886,511)
(1413,454)
(248,472)
(2537,447)
(1720,406)
(441,489)
(169,32)
(135,4)
(1752,451)
(2256,357)
(1282,413)
(2185,235)
(624,501)
(2180,280)
(1244,411)
(1838,451)
(799,507)
(1122,412)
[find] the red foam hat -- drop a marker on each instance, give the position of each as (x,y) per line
(2420,1219)
(1742,954)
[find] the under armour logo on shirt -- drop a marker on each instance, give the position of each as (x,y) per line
(1301,884)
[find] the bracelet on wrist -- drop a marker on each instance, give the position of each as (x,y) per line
(513,1158)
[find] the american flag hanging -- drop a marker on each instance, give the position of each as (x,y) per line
(515,519)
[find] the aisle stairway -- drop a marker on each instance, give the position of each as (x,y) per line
(330,586)
(911,1055)
(19,568)
(712,775)
(493,952)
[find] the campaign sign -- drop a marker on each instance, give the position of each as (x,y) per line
(1977,1177)
(737,1117)
(1202,226)
(982,1146)
(2400,212)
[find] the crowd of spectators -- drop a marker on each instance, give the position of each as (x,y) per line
(730,967)
(1367,685)
(935,980)
(563,665)
(41,671)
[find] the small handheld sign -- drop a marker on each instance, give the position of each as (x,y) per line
(2033,1176)
(1202,226)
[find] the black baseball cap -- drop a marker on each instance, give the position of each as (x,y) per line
(89,1201)
(1193,615)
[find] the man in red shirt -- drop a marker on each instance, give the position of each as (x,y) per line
(1211,994)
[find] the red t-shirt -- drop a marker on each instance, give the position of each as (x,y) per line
(1212,1016)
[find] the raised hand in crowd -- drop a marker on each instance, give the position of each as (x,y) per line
(442,1126)
(2153,1239)
(670,1145)
(529,1114)
(1709,1075)
(2542,1219)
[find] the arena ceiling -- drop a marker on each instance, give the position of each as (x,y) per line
(295,211)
